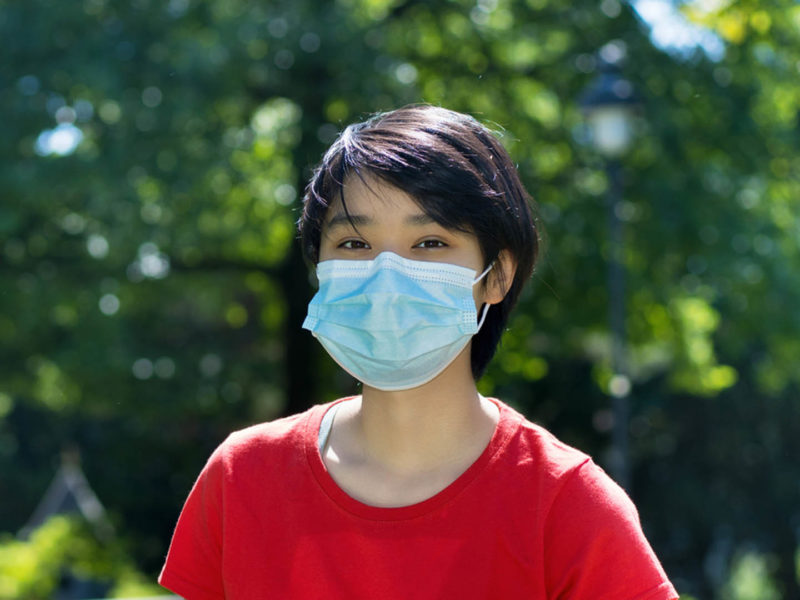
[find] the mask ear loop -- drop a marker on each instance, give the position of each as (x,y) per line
(485,271)
(484,312)
(485,309)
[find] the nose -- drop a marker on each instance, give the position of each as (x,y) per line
(393,249)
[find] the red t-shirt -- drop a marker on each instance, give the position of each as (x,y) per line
(531,518)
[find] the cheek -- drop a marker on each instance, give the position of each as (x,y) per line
(325,247)
(479,294)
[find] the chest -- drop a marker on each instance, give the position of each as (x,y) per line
(313,549)
(376,487)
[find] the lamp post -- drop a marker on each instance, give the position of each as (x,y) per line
(608,104)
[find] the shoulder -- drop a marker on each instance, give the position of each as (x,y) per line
(563,478)
(265,443)
(280,431)
(531,446)
(595,544)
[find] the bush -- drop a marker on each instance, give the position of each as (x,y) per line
(63,557)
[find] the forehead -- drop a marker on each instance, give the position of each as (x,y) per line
(370,195)
(367,199)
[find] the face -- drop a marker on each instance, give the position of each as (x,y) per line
(387,219)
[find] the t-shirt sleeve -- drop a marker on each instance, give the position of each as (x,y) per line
(594,545)
(193,568)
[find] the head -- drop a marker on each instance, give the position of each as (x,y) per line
(458,173)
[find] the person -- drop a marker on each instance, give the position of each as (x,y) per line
(419,487)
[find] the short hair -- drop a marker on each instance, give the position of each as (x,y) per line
(458,173)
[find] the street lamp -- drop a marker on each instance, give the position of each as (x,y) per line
(608,105)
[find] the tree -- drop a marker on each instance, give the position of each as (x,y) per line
(153,291)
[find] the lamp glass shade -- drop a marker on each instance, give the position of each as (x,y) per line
(611,128)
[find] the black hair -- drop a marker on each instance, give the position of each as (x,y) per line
(458,173)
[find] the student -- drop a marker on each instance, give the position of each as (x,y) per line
(419,488)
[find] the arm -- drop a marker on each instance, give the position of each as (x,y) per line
(193,568)
(594,545)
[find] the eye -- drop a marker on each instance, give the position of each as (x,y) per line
(431,243)
(354,245)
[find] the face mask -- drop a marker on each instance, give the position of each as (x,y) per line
(391,322)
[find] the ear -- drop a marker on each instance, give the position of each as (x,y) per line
(500,278)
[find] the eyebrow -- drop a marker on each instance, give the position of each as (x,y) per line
(341,219)
(347,220)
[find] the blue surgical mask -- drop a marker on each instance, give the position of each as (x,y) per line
(394,323)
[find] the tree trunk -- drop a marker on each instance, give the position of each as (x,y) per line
(301,351)
(786,571)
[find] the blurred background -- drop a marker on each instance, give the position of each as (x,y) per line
(153,155)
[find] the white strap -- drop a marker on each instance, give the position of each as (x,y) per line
(484,312)
(325,427)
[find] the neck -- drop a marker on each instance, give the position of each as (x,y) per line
(436,424)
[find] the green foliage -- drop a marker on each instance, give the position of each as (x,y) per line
(751,579)
(33,569)
(696,323)
(152,291)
